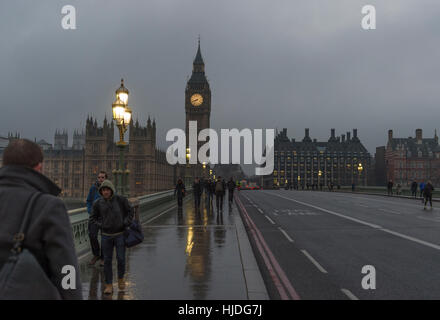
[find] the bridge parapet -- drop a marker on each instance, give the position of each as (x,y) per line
(79,218)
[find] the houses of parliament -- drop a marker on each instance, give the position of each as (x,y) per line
(74,168)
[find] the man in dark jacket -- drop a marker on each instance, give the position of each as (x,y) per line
(113,214)
(427,191)
(231,188)
(179,191)
(49,233)
(93,230)
(414,189)
(220,189)
(197,191)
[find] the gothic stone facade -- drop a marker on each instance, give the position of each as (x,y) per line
(76,170)
(412,159)
(337,160)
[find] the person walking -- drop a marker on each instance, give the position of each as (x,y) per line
(422,187)
(197,191)
(220,189)
(48,235)
(113,214)
(414,189)
(427,191)
(390,188)
(92,229)
(231,186)
(179,191)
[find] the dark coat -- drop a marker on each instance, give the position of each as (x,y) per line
(49,235)
(92,196)
(180,190)
(428,190)
(113,215)
(197,188)
(231,185)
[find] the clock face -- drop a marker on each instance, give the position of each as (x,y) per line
(196,100)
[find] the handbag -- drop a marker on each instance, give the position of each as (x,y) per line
(22,277)
(133,235)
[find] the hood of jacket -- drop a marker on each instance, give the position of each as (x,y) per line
(107,184)
(31,177)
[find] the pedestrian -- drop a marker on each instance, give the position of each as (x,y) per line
(414,189)
(92,229)
(113,214)
(390,188)
(207,189)
(220,188)
(197,191)
(399,189)
(48,235)
(352,187)
(427,191)
(179,191)
(422,187)
(231,187)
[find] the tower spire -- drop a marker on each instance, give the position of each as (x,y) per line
(198,59)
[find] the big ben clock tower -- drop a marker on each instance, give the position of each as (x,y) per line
(197,97)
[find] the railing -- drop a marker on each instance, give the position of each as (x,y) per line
(79,218)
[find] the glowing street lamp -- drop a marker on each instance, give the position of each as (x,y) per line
(122,117)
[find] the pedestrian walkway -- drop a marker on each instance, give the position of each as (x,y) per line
(186,255)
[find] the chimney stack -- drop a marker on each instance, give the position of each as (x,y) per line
(348,135)
(355,133)
(390,135)
(333,133)
(343,137)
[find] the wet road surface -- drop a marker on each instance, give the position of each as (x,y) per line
(185,255)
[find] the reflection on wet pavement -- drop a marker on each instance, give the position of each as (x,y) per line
(186,254)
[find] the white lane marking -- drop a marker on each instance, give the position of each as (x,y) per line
(363,205)
(317,265)
(349,294)
(286,235)
(404,236)
(390,211)
(270,220)
(401,235)
(371,198)
(375,226)
(261,211)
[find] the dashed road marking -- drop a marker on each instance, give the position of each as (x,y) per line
(261,211)
(374,226)
(349,294)
(286,235)
(270,220)
(317,265)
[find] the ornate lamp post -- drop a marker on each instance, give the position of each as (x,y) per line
(319,178)
(122,117)
(360,168)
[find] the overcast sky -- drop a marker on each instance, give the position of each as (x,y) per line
(271,64)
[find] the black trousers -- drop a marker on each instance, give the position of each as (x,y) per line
(428,197)
(219,200)
(179,201)
(94,243)
(231,195)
